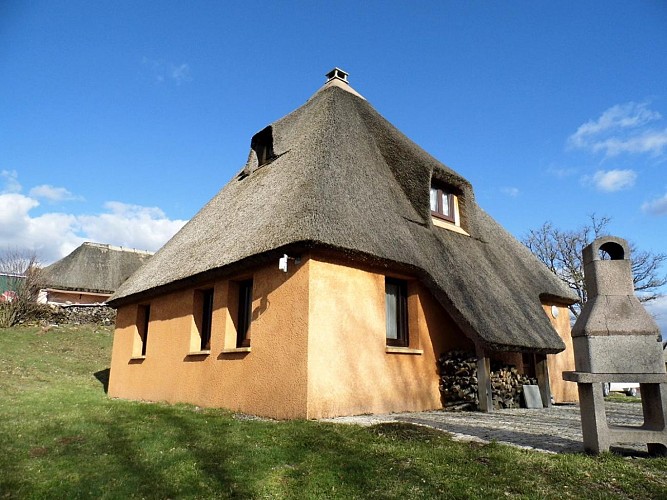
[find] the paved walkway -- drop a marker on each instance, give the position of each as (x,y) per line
(551,430)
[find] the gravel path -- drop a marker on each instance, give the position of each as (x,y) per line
(551,430)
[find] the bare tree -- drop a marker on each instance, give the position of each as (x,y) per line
(560,250)
(21,276)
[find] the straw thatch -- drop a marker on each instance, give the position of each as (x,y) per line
(344,178)
(93,267)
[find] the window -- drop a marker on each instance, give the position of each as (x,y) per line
(143,320)
(442,204)
(206,307)
(396,302)
(244,314)
(262,145)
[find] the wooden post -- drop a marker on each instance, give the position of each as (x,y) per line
(542,374)
(484,381)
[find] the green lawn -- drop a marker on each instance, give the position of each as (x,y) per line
(619,397)
(61,437)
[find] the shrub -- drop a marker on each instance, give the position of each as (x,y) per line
(22,279)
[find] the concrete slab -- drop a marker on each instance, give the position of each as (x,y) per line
(550,430)
(532,396)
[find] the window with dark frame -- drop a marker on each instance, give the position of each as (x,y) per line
(396,303)
(442,203)
(206,319)
(244,314)
(143,321)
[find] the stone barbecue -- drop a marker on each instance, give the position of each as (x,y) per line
(616,340)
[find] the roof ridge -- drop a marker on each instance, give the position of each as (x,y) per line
(337,83)
(117,248)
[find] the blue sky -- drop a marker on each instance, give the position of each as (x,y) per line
(120,120)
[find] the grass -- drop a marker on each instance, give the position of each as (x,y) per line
(620,397)
(61,437)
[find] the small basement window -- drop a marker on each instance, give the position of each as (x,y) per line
(262,145)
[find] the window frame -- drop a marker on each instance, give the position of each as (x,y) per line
(206,318)
(244,313)
(402,326)
(439,212)
(145,318)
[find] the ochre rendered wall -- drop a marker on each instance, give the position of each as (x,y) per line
(349,368)
(269,380)
(562,392)
(318,346)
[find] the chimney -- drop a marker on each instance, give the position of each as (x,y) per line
(337,74)
(614,333)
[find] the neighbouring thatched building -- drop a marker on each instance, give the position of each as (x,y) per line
(90,274)
(390,262)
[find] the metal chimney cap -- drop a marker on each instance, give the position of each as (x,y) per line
(337,73)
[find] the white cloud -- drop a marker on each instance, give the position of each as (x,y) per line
(14,208)
(53,235)
(180,74)
(651,141)
(612,180)
(162,71)
(51,193)
(10,181)
(511,191)
(135,226)
(621,116)
(48,235)
(657,206)
(622,129)
(561,172)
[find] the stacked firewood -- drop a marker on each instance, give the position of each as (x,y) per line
(458,382)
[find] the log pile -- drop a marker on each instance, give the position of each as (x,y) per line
(458,382)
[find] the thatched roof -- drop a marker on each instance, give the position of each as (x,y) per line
(93,267)
(344,178)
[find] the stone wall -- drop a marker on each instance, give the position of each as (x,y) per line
(75,315)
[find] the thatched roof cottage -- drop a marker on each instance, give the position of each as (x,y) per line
(90,274)
(327,276)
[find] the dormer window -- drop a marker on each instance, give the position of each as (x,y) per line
(446,208)
(262,145)
(442,204)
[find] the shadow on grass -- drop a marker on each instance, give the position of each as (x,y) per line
(103,377)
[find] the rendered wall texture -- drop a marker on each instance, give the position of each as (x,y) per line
(349,368)
(269,380)
(318,346)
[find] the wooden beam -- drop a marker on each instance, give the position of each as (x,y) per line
(484,381)
(542,374)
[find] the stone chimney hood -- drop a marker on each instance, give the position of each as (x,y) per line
(614,333)
(616,340)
